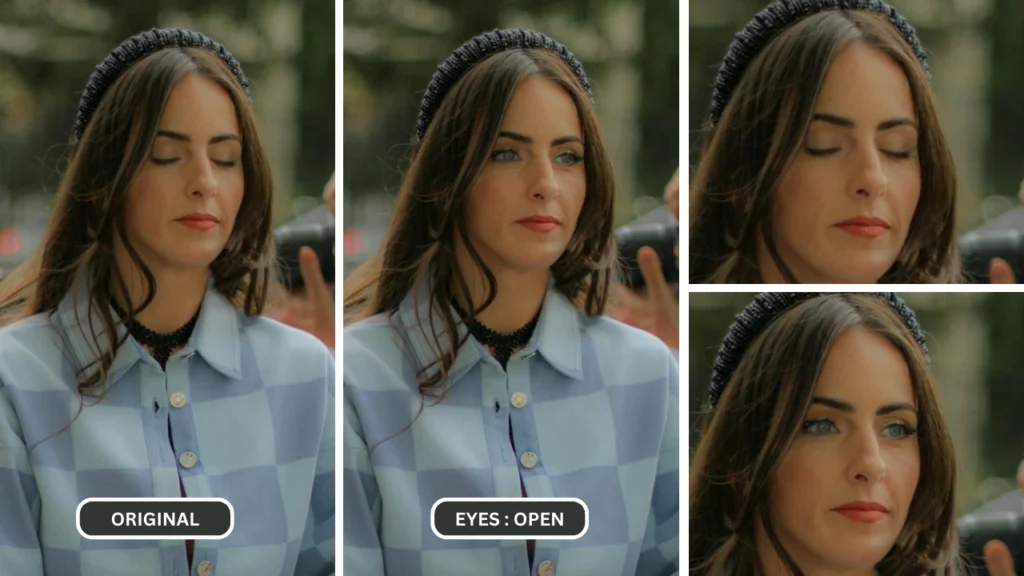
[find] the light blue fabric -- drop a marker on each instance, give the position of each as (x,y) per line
(259,416)
(602,416)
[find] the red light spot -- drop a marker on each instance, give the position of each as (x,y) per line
(353,242)
(10,241)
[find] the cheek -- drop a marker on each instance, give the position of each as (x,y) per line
(572,188)
(904,473)
(799,200)
(231,191)
(905,192)
(800,484)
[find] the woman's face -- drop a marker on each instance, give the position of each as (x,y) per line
(841,494)
(182,206)
(843,208)
(522,210)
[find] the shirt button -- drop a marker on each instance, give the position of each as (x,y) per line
(187,459)
(528,459)
(178,400)
(519,400)
(205,568)
(547,568)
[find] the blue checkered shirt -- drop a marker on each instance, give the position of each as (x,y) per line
(259,416)
(601,415)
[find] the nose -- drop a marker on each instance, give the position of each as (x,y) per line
(203,182)
(543,184)
(869,178)
(867,463)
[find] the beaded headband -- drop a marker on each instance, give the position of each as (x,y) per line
(479,48)
(136,48)
(779,15)
(760,313)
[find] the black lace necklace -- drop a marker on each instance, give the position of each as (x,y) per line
(502,344)
(162,345)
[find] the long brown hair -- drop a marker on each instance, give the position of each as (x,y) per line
(90,207)
(746,153)
(420,242)
(745,437)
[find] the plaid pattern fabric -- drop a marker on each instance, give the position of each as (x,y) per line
(601,414)
(259,416)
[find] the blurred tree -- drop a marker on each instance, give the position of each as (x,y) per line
(1002,437)
(51,46)
(1005,151)
(392,48)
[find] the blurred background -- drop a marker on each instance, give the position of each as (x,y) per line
(630,49)
(976,55)
(49,48)
(974,340)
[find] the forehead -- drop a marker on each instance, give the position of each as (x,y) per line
(865,82)
(542,106)
(200,105)
(865,369)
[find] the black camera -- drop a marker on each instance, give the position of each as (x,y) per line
(291,238)
(976,530)
(663,238)
(978,248)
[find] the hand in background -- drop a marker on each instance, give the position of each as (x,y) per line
(653,308)
(998,559)
(329,195)
(321,301)
(1000,272)
(672,195)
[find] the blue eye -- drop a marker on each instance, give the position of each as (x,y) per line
(819,427)
(507,155)
(569,158)
(899,430)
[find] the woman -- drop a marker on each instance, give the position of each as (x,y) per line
(824,160)
(138,365)
(823,450)
(502,243)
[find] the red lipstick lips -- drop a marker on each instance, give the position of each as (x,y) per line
(199,221)
(864,512)
(865,226)
(540,223)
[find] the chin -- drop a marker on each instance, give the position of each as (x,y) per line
(854,270)
(193,259)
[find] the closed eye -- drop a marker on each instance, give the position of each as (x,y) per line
(821,151)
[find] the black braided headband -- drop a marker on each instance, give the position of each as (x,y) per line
(779,15)
(479,48)
(133,50)
(760,313)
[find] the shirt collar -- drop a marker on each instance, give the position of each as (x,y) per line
(216,335)
(556,337)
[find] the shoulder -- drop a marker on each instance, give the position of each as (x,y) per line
(625,342)
(31,341)
(272,336)
(379,336)
(285,355)
(378,355)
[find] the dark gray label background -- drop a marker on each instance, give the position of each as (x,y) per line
(214,518)
(573,518)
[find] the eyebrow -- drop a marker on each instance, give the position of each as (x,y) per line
(527,140)
(848,408)
(186,138)
(844,122)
